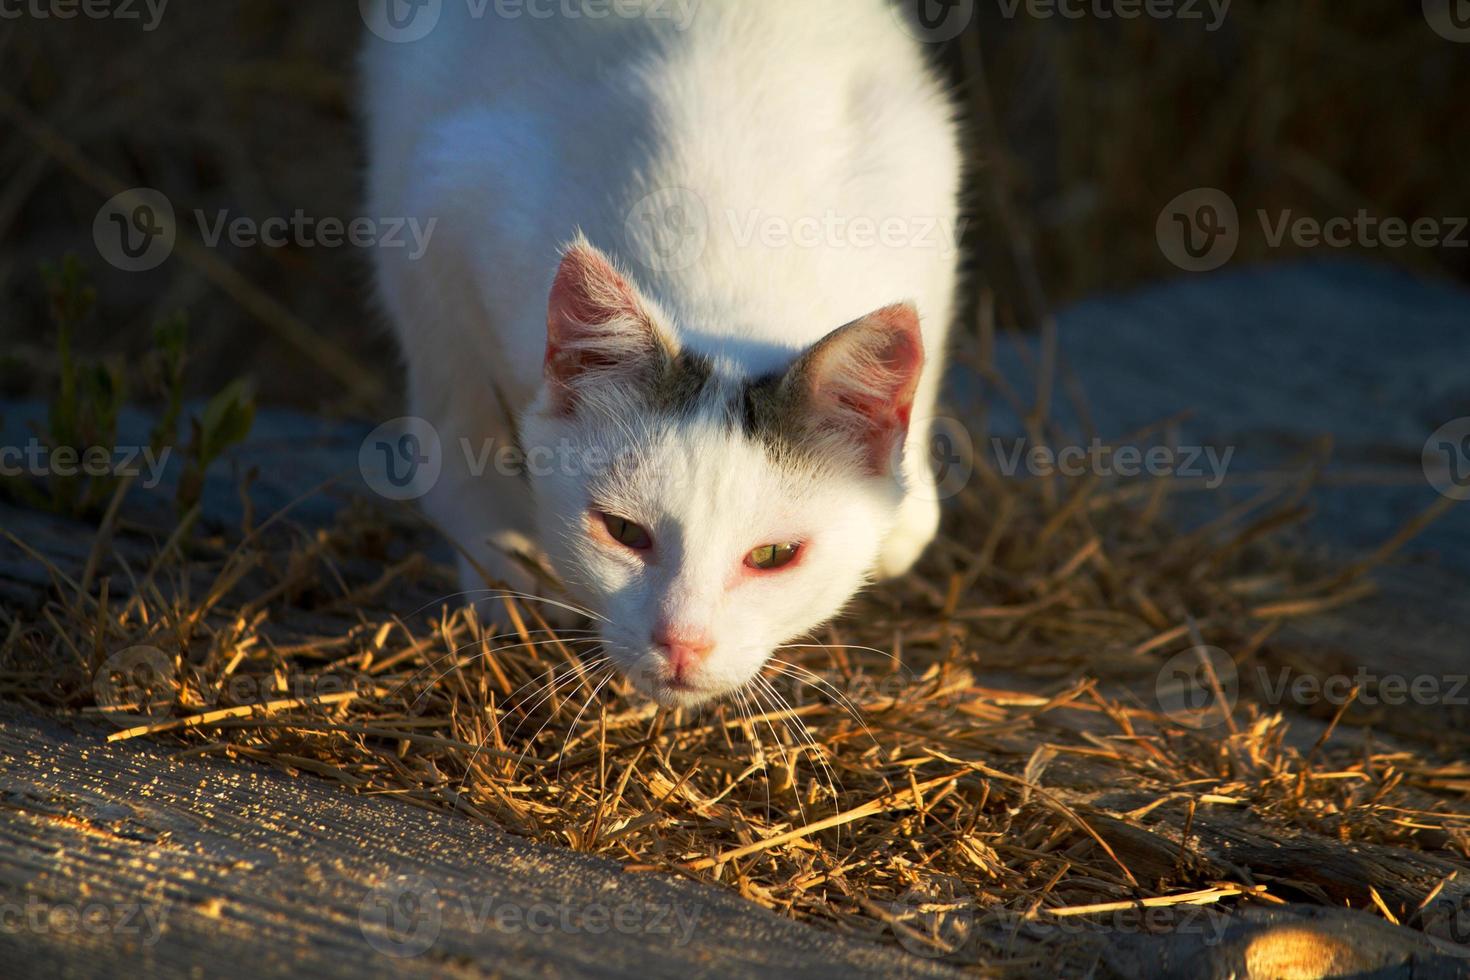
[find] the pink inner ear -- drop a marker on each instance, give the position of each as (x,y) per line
(595,322)
(588,289)
(867,374)
(586,293)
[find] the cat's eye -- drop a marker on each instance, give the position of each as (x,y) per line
(772,556)
(627,533)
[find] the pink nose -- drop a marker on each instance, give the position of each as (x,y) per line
(684,648)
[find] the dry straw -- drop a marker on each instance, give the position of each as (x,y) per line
(967,759)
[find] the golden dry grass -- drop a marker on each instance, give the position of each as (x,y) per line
(980,737)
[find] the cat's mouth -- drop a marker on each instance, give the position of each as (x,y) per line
(656,681)
(675,692)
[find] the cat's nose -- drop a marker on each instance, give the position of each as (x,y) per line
(684,648)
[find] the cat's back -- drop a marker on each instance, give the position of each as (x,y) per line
(756,111)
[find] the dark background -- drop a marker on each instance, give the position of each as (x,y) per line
(1320,107)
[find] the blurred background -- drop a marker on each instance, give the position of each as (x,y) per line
(1084,129)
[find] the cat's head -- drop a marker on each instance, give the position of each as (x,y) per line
(708,517)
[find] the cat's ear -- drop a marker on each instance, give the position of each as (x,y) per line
(599,328)
(859,381)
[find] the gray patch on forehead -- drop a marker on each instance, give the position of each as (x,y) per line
(681,383)
(770,412)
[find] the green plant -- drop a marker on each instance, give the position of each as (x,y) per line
(82,416)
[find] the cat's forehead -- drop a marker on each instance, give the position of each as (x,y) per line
(693,442)
(694,392)
(706,450)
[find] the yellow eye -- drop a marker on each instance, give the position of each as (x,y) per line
(626,532)
(772,556)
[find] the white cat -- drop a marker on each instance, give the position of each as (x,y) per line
(701,271)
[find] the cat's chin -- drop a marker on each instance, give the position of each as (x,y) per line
(657,686)
(687,697)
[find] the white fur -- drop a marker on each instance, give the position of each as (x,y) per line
(516,134)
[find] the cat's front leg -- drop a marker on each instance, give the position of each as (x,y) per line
(495,561)
(917,523)
(484,509)
(918,515)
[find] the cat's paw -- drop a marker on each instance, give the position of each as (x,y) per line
(918,521)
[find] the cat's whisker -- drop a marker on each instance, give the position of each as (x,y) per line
(803,675)
(469,767)
(484,653)
(528,597)
(550,692)
(786,754)
(490,593)
(753,739)
(532,740)
(833,783)
(843,646)
(587,665)
(429,687)
(572,728)
(554,684)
